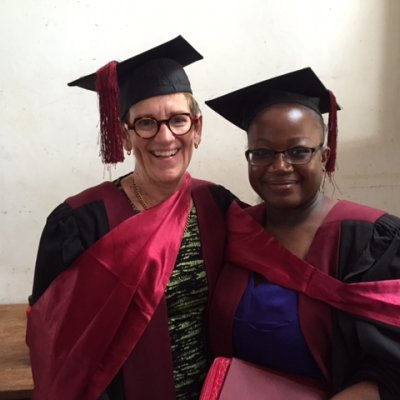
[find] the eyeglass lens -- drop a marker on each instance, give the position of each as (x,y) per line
(178,124)
(295,155)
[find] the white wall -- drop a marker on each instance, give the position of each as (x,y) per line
(48,137)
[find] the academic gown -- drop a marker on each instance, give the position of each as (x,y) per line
(73,228)
(353,333)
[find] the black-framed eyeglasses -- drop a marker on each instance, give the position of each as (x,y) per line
(148,127)
(294,155)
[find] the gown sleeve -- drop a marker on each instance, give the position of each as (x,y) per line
(67,234)
(224,198)
(363,349)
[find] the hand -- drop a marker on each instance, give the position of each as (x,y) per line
(359,391)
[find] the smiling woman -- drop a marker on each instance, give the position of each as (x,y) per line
(162,144)
(125,269)
(293,175)
(310,284)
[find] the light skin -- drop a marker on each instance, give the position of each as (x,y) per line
(160,162)
(296,207)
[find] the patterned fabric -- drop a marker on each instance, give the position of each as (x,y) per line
(186,296)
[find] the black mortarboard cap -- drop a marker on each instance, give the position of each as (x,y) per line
(302,87)
(154,72)
(120,85)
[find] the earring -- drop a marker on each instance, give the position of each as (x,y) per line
(128,152)
(196,145)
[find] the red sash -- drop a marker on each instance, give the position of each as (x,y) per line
(250,246)
(83,328)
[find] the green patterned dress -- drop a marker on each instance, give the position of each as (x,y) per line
(186,296)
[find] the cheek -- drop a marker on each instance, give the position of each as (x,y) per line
(313,176)
(255,175)
(138,147)
(187,144)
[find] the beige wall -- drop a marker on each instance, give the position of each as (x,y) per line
(49,131)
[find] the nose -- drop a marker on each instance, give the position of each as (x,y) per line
(164,133)
(279,163)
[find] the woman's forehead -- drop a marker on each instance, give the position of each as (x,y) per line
(289,124)
(176,102)
(288,112)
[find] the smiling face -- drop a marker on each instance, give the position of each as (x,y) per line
(281,127)
(163,159)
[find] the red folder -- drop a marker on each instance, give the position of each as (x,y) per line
(234,379)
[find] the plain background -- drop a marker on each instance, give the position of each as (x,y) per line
(48,136)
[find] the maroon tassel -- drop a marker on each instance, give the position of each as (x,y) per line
(111,147)
(332,134)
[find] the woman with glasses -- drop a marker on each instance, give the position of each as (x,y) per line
(125,269)
(310,286)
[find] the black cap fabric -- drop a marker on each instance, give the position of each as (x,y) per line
(302,86)
(155,72)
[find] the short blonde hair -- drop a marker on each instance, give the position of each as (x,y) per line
(193,104)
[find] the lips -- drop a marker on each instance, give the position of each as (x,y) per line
(281,183)
(164,153)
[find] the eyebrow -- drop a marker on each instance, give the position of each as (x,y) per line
(151,115)
(296,142)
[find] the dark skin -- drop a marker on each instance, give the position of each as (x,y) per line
(296,229)
(295,206)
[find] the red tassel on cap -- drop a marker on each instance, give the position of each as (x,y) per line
(332,134)
(111,147)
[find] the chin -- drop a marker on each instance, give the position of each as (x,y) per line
(171,177)
(286,203)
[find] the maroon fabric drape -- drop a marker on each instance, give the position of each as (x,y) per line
(378,301)
(83,328)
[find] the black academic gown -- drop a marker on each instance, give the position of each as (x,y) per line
(81,221)
(353,244)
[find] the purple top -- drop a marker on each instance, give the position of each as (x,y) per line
(266,330)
